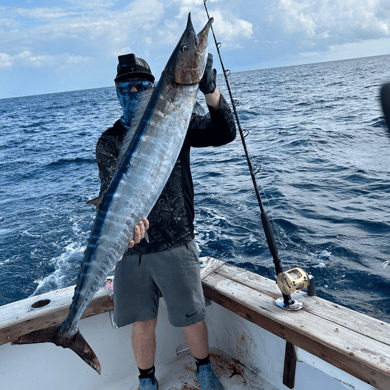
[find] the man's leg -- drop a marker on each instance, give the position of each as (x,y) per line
(143,339)
(197,339)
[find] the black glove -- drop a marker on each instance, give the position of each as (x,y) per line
(209,79)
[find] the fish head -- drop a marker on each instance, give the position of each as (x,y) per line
(188,60)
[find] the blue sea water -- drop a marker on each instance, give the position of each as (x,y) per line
(316,130)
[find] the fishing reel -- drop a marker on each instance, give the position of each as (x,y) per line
(295,279)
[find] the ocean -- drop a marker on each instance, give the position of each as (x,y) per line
(318,133)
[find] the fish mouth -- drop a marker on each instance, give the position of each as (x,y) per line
(203,33)
(202,43)
(188,61)
(205,30)
(189,68)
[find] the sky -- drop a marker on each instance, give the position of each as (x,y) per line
(51,46)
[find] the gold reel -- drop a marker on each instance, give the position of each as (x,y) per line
(295,279)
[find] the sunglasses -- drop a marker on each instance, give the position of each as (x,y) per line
(139,85)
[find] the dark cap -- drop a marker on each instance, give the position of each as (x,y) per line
(131,66)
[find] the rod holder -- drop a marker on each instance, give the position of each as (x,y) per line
(294,306)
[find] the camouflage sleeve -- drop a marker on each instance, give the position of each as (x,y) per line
(106,158)
(218,129)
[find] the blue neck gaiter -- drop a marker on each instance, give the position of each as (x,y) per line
(128,100)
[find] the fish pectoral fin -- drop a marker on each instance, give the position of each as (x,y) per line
(54,335)
(95,201)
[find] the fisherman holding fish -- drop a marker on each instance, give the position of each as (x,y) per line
(144,168)
(168,260)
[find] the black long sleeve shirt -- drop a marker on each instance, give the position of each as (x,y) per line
(171,219)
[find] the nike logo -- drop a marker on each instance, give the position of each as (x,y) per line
(191,314)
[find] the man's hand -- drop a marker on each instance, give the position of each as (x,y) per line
(208,84)
(139,232)
(209,80)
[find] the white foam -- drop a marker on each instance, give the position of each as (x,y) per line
(198,247)
(27,233)
(5,232)
(324,255)
(60,277)
(4,262)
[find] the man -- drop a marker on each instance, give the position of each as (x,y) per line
(168,260)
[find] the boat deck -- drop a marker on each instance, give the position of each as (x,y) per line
(179,374)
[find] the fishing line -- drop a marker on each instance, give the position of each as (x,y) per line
(273,223)
(243,133)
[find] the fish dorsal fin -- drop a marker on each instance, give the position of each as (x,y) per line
(144,98)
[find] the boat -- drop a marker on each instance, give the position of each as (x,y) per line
(254,344)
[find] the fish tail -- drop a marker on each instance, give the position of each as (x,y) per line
(54,335)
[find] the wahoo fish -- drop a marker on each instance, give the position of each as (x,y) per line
(148,155)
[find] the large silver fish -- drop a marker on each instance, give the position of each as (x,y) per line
(147,160)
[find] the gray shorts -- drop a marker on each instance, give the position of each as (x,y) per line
(175,272)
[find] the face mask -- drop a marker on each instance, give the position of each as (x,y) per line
(128,100)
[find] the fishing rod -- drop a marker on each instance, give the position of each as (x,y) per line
(291,280)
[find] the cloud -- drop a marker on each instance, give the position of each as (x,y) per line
(231,28)
(44,13)
(310,54)
(196,2)
(91,4)
(227,25)
(121,51)
(27,59)
(11,23)
(99,29)
(318,23)
(5,60)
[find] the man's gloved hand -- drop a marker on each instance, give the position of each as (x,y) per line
(209,79)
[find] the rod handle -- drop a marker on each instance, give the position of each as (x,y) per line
(311,288)
(271,241)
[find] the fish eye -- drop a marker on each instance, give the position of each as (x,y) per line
(184,48)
